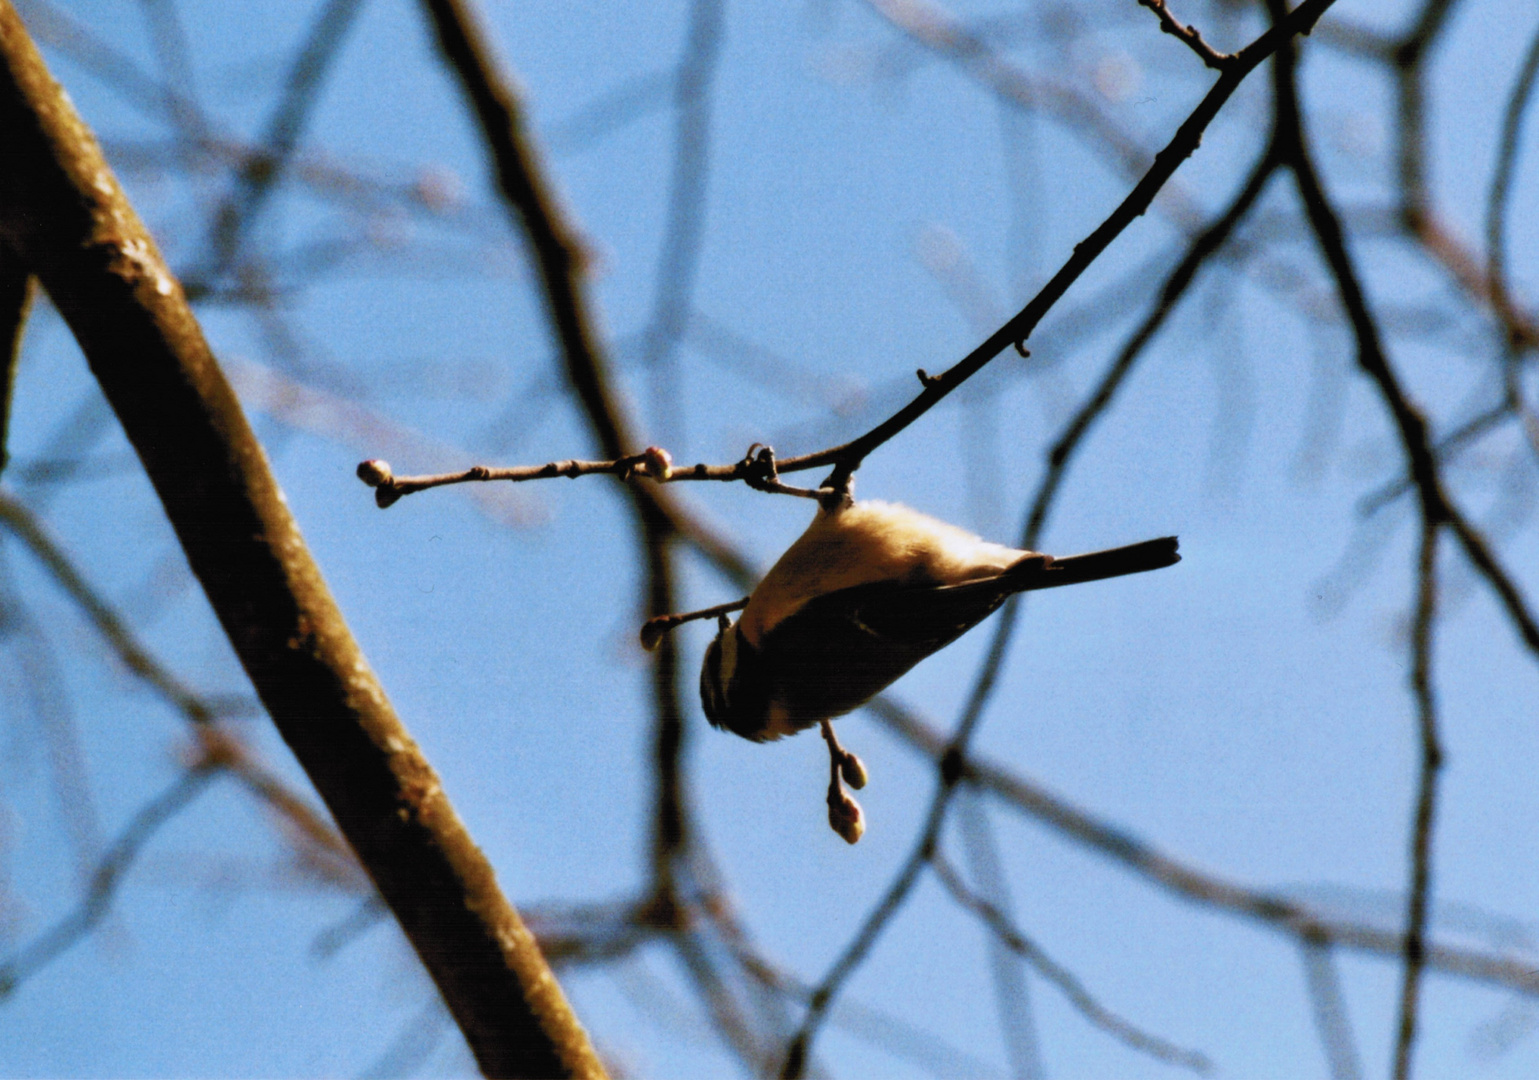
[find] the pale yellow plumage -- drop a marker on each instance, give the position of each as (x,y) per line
(862,543)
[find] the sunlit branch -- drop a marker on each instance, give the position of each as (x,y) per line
(654,628)
(68,216)
(16,288)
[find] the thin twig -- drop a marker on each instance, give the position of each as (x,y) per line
(388,487)
(557,252)
(106,878)
(264,170)
(1419,892)
(679,259)
(1330,1011)
(1189,34)
(1276,911)
(120,638)
(654,628)
(1066,981)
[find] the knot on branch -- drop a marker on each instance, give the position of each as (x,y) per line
(758,467)
(951,766)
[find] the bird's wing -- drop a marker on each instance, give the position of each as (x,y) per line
(911,616)
(839,649)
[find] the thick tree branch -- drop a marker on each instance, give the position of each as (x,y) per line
(16,289)
(62,209)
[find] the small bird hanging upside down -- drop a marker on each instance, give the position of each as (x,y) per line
(868,591)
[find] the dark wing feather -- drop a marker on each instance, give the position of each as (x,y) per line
(840,649)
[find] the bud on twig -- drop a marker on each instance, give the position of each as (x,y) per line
(657,462)
(853,770)
(845,817)
(375,472)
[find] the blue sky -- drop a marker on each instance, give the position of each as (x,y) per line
(1246,710)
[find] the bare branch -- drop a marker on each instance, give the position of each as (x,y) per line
(1189,34)
(264,169)
(1419,893)
(106,878)
(1083,1001)
(62,208)
(16,288)
(114,630)
(1410,423)
(560,258)
(1274,910)
(1330,1011)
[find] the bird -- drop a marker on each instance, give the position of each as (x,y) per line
(867,592)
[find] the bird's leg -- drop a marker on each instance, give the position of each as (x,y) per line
(844,813)
(837,489)
(653,629)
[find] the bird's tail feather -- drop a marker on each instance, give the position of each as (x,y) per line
(1095,565)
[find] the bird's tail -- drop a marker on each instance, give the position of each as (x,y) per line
(1114,562)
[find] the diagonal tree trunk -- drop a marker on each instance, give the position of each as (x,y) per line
(62,211)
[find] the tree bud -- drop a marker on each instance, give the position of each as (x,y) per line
(375,472)
(658,462)
(853,770)
(845,817)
